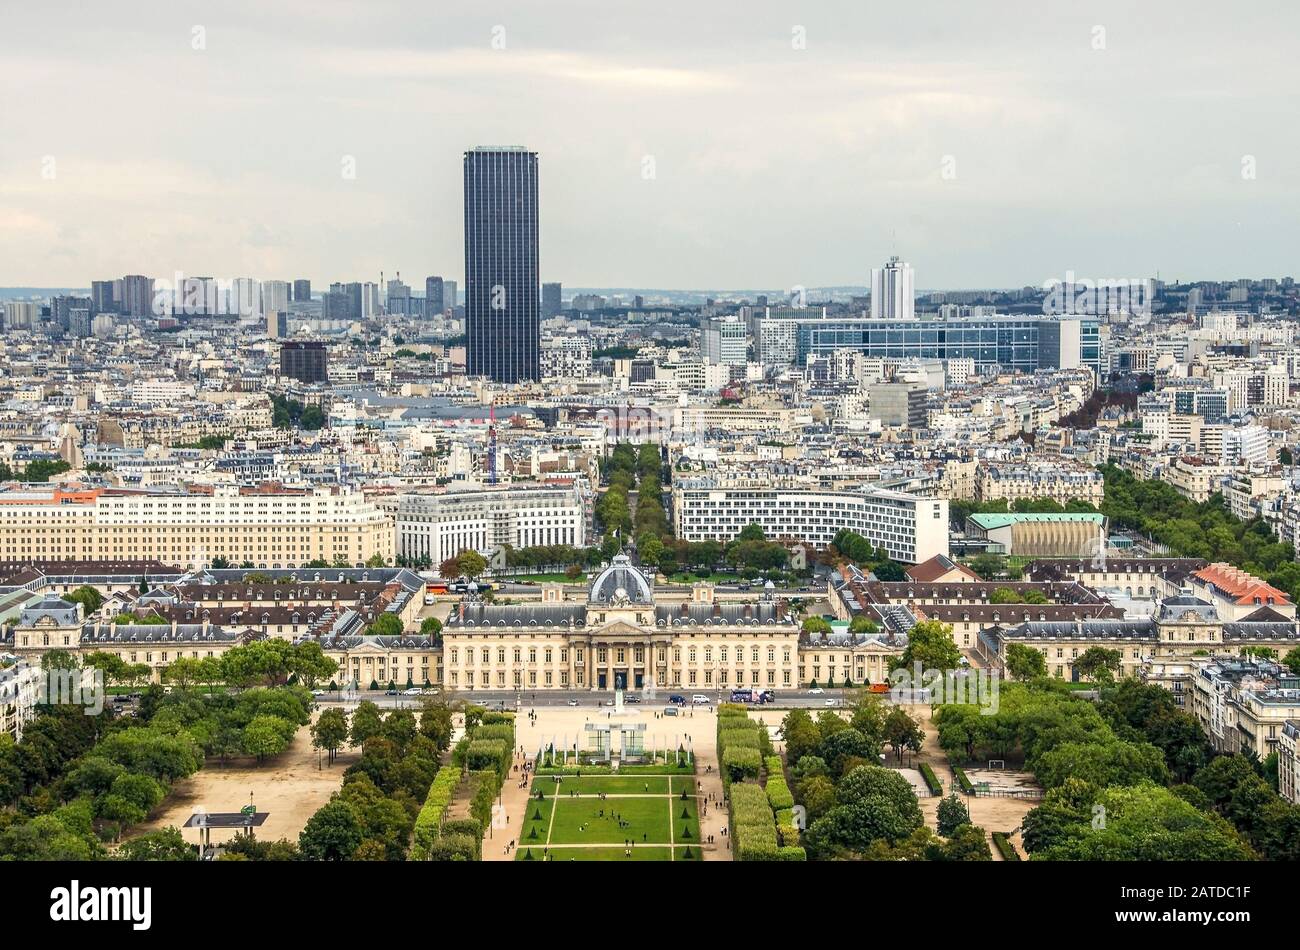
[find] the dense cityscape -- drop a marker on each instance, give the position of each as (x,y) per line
(469,560)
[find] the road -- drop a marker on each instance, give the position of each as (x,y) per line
(512,699)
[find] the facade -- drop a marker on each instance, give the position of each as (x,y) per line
(1057,482)
(502,320)
(20,691)
(1007,343)
(269,527)
(1288,762)
(724,341)
(898,404)
(1244,704)
(304,360)
(434,527)
(622,637)
(911,528)
(1064,534)
(893,296)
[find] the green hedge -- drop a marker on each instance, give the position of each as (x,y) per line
(738,738)
(753,831)
(932,780)
(1003,843)
(962,781)
(454,848)
(428,823)
(495,718)
(484,754)
(738,764)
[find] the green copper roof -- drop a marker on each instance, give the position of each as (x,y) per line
(989,520)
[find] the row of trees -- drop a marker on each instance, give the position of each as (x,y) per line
(371,817)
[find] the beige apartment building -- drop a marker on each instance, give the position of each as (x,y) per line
(268,526)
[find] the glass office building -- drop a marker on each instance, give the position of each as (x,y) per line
(1011,343)
(502,311)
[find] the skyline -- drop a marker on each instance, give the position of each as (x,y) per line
(766,159)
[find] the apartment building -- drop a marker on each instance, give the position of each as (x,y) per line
(1244,704)
(268,526)
(1057,482)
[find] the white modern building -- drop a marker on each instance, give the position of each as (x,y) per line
(911,528)
(438,526)
(892,294)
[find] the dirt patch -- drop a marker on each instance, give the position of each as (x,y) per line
(291,788)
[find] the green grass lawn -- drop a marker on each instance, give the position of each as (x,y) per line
(639,853)
(609,784)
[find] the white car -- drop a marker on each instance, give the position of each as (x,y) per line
(699,699)
(318,692)
(413,691)
(816,691)
(573,702)
(832,702)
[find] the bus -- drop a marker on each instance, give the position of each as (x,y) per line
(755,695)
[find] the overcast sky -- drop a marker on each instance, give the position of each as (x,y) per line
(989,144)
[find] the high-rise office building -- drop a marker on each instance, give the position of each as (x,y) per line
(304,360)
(433,299)
(502,319)
(275,296)
(551,304)
(449,295)
(102,299)
(137,295)
(892,295)
(301,290)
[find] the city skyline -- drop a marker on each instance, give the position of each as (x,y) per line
(993,148)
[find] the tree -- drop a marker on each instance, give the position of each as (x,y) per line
(310,664)
(802,737)
(1292,661)
(930,643)
(89,598)
(902,732)
(385,625)
(952,814)
(267,736)
(332,834)
(1098,662)
(367,721)
(59,660)
(1024,662)
(183,672)
(330,731)
(966,843)
(472,564)
(872,803)
(164,845)
(989,567)
(431,627)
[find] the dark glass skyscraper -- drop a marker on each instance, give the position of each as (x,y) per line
(502,320)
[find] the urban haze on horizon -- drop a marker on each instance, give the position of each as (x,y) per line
(680,147)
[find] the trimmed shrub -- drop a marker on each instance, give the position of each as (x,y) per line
(428,823)
(931,780)
(962,781)
(1003,843)
(752,828)
(740,764)
(454,848)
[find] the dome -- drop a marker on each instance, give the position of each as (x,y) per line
(619,582)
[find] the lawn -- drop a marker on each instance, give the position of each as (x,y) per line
(613,785)
(638,853)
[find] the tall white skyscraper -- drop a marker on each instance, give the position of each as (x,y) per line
(892,296)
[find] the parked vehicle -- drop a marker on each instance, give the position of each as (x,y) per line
(677,700)
(670,710)
(699,699)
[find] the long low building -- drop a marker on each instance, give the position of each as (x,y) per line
(268,526)
(1061,534)
(911,528)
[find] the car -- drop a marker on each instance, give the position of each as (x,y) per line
(413,691)
(318,692)
(390,692)
(804,589)
(121,699)
(699,699)
(743,588)
(816,691)
(832,702)
(632,699)
(572,702)
(677,700)
(670,710)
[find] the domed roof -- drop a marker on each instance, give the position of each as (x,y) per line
(620,582)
